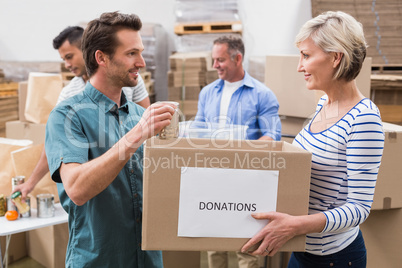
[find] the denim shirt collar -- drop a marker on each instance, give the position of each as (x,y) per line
(98,97)
(247,82)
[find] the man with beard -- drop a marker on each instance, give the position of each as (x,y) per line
(68,44)
(94,148)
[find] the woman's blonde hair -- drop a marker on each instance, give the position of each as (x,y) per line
(338,32)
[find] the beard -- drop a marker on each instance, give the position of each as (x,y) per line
(121,76)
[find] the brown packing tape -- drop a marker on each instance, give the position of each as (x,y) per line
(392,136)
(387,202)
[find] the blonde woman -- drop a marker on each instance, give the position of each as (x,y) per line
(346,140)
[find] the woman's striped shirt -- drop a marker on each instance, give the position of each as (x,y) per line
(345,161)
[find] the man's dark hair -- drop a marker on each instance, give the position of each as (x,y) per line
(235,45)
(100,34)
(72,33)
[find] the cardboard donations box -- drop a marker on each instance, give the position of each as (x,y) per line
(389,182)
(199,193)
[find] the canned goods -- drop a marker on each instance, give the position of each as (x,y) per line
(45,203)
(172,130)
(10,204)
(24,209)
(27,214)
(3,205)
(16,181)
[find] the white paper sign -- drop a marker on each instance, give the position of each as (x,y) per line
(218,202)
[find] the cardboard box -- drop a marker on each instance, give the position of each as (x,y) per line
(188,109)
(208,130)
(201,60)
(291,126)
(389,182)
(22,98)
(382,234)
(190,93)
(17,248)
(26,130)
(48,245)
(187,78)
(289,86)
(162,186)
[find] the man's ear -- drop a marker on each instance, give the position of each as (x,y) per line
(101,58)
(337,57)
(238,59)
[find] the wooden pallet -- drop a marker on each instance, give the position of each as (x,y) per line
(8,89)
(208,27)
(386,68)
(67,75)
(146,76)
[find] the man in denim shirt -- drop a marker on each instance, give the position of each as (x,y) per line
(237,98)
(94,149)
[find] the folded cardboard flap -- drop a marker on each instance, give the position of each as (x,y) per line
(6,168)
(26,130)
(163,160)
(389,182)
(42,94)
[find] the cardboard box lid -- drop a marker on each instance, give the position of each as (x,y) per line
(162,185)
(388,127)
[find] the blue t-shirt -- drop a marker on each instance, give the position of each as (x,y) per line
(106,230)
(253,104)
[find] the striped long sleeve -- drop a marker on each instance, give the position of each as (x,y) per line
(345,163)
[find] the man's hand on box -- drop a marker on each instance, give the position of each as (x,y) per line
(273,236)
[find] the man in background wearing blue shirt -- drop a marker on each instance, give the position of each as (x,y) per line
(237,98)
(94,149)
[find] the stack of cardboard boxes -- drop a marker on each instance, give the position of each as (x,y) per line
(189,73)
(381,23)
(149,84)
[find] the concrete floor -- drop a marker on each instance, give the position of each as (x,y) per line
(26,262)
